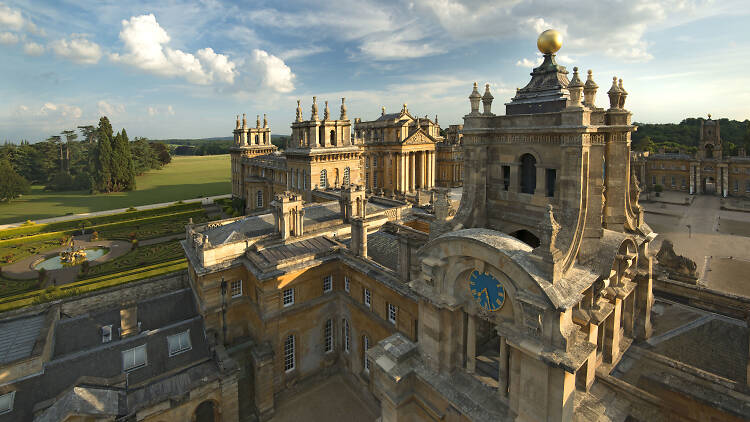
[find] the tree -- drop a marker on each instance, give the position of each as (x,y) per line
(88,132)
(130,165)
(12,184)
(103,156)
(746,137)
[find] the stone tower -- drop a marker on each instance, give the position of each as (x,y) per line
(249,142)
(710,143)
(545,268)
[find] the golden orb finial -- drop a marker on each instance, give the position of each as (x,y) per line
(549,41)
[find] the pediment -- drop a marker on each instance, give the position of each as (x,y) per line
(418,138)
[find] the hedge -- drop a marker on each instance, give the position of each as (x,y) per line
(81,287)
(143,255)
(29,230)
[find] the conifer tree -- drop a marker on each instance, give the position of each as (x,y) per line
(103,160)
(129,181)
(119,163)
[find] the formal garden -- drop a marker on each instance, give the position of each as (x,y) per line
(43,262)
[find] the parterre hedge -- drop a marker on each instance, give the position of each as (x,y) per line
(140,257)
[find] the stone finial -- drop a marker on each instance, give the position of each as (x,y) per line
(709,116)
(314,109)
(589,90)
(382,111)
(436,121)
(257,121)
(265,120)
(442,205)
(623,94)
(404,109)
(299,110)
(326,112)
(487,100)
(474,98)
(244,121)
(575,87)
(237,125)
(614,94)
(343,109)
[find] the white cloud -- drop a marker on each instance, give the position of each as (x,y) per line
(529,63)
(50,110)
(33,49)
(13,20)
(274,73)
(8,38)
(78,49)
(155,111)
(170,110)
(145,47)
(106,109)
(298,53)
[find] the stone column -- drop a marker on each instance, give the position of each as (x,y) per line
(471,344)
(612,327)
(698,180)
(412,171)
(502,380)
(515,180)
(262,361)
(541,182)
(692,179)
(387,167)
(422,170)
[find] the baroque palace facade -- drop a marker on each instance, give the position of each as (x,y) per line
(518,308)
(708,171)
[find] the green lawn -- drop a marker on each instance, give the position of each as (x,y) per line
(184,178)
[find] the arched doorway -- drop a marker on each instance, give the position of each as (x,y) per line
(528,174)
(206,412)
(526,237)
(709,185)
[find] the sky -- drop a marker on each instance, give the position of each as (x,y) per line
(185,69)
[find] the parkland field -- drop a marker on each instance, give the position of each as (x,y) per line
(185,177)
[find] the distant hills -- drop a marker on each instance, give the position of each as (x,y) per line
(212,146)
(651,136)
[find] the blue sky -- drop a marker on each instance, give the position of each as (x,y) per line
(177,69)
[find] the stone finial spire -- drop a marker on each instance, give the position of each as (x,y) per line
(299,111)
(314,109)
(237,125)
(436,120)
(257,121)
(614,94)
(709,116)
(326,112)
(575,87)
(382,111)
(474,98)
(623,94)
(589,90)
(487,100)
(265,120)
(343,109)
(404,110)
(244,121)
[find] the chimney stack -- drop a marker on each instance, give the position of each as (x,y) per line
(129,320)
(359,237)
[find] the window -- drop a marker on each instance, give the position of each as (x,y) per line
(346,175)
(346,283)
(323,179)
(179,343)
(392,313)
(528,174)
(747,186)
(653,180)
(327,284)
(289,353)
(345,334)
(106,333)
(328,334)
(259,199)
(374,160)
(288,298)
(506,177)
(367,298)
(365,346)
(664,180)
(736,186)
(673,181)
(367,179)
(236,288)
(551,177)
(6,402)
(374,180)
(134,358)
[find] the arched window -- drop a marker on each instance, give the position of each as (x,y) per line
(205,412)
(346,176)
(323,179)
(333,137)
(528,173)
(365,346)
(709,151)
(328,336)
(259,199)
(526,237)
(289,353)
(256,139)
(345,334)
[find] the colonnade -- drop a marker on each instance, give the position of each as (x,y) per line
(400,172)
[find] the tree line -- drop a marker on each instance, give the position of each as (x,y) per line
(686,136)
(101,161)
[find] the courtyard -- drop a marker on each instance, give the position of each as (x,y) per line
(718,240)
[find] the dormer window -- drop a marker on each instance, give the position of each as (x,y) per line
(106,332)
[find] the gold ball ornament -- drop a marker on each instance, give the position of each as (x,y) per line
(549,41)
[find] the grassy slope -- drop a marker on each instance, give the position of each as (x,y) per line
(184,178)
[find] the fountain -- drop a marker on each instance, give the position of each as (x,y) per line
(71,256)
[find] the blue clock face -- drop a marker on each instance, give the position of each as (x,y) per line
(487,290)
